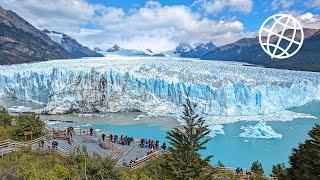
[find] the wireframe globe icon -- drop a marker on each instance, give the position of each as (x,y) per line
(281,36)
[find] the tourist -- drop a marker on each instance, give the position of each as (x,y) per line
(238,170)
(110,136)
(42,143)
(142,142)
(115,138)
(91,131)
(157,144)
(54,144)
(126,140)
(164,146)
(68,130)
(103,136)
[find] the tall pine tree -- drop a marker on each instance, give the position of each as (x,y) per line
(305,160)
(183,160)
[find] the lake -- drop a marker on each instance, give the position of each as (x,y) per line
(229,147)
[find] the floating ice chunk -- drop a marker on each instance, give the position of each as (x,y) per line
(85,115)
(52,122)
(216,129)
(19,109)
(139,117)
(86,125)
(260,130)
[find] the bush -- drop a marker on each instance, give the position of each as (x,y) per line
(28,123)
(5,118)
(257,169)
(279,171)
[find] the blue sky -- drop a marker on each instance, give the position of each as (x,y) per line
(159,25)
(252,20)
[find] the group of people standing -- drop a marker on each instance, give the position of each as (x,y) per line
(239,171)
(123,140)
(151,144)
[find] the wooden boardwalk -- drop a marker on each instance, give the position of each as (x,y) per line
(81,139)
(130,157)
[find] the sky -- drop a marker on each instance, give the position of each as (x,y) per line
(159,25)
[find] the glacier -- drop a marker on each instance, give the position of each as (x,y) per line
(157,86)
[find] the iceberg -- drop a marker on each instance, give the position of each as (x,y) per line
(216,129)
(157,86)
(260,130)
(19,109)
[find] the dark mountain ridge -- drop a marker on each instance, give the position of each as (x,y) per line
(249,50)
(75,49)
(20,42)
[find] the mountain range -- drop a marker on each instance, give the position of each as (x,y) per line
(115,49)
(198,51)
(249,50)
(75,49)
(20,42)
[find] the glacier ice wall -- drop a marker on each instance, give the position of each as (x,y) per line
(157,86)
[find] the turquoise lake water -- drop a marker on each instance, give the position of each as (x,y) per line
(231,149)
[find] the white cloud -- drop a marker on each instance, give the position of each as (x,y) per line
(309,20)
(163,27)
(151,26)
(282,4)
(314,3)
(215,6)
(56,15)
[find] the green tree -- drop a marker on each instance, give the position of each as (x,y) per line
(305,160)
(220,164)
(5,118)
(183,160)
(28,122)
(257,169)
(96,167)
(280,171)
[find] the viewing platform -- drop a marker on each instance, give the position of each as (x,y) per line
(130,155)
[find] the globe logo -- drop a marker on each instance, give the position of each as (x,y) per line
(281,36)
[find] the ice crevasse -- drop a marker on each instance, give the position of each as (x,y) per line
(157,86)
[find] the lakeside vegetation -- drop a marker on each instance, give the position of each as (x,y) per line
(181,161)
(15,126)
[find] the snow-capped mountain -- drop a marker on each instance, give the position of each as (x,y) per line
(117,50)
(75,49)
(114,48)
(183,48)
(198,51)
(23,43)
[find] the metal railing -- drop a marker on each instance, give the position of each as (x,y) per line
(9,145)
(140,162)
(61,152)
